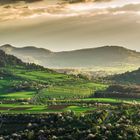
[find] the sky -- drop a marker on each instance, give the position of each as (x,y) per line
(59,26)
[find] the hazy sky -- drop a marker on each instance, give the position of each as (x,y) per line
(59,27)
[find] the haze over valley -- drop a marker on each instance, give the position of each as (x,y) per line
(107,59)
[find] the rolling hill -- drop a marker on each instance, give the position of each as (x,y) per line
(126,85)
(9,60)
(25,80)
(128,77)
(14,74)
(106,56)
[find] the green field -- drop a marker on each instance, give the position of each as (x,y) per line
(15,98)
(62,105)
(18,95)
(42,91)
(59,85)
(17,108)
(81,90)
(112,100)
(41,76)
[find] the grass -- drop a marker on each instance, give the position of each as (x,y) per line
(18,95)
(41,76)
(15,108)
(112,100)
(79,109)
(62,85)
(66,92)
(28,108)
(11,108)
(69,91)
(6,83)
(79,90)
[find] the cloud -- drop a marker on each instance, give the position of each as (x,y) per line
(100,26)
(12,12)
(15,1)
(3,2)
(128,7)
(77,1)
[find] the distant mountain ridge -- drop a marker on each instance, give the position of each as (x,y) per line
(106,56)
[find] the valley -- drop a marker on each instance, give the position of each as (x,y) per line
(105,60)
(35,102)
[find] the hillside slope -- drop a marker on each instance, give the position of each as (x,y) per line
(13,74)
(25,80)
(107,56)
(128,77)
(6,60)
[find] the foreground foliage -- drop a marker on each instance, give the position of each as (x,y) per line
(111,122)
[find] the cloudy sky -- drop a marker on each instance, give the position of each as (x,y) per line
(58,26)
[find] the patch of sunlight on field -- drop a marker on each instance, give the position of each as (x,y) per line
(79,109)
(111,100)
(18,95)
(18,108)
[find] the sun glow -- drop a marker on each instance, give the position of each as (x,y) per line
(63,10)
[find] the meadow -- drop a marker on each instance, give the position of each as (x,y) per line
(63,93)
(39,104)
(18,95)
(34,89)
(57,106)
(18,108)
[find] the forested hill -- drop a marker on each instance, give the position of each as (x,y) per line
(16,75)
(128,77)
(9,60)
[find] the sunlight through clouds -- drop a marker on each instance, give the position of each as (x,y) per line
(61,10)
(76,25)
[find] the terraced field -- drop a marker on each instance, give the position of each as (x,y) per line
(18,95)
(78,105)
(17,108)
(28,88)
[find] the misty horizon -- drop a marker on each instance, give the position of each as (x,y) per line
(70,50)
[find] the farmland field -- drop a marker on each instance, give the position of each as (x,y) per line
(16,108)
(113,100)
(78,91)
(58,85)
(18,95)
(78,105)
(40,104)
(63,93)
